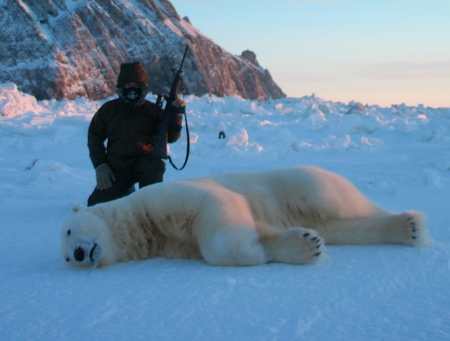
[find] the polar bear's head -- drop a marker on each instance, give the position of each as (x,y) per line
(85,239)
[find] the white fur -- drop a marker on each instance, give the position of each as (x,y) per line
(245,218)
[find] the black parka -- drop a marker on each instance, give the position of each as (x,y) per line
(130,130)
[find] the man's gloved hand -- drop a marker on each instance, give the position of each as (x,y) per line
(105,176)
(178,102)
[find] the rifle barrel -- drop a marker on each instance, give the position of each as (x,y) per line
(184,57)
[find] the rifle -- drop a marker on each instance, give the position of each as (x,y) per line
(160,147)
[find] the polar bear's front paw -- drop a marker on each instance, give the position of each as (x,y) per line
(296,246)
(312,238)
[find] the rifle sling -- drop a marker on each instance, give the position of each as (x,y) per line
(188,147)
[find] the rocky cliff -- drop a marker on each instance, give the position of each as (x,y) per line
(68,49)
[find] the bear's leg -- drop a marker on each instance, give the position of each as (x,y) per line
(408,228)
(232,245)
(295,246)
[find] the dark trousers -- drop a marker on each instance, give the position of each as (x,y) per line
(146,170)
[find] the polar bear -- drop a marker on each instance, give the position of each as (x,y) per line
(236,219)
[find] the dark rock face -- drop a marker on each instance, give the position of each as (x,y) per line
(68,49)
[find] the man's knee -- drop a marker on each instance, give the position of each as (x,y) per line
(123,186)
(98,197)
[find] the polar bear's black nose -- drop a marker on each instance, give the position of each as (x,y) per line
(78,254)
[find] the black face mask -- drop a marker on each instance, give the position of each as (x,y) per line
(132,94)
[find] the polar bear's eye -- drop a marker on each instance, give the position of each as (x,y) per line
(67,259)
(69,232)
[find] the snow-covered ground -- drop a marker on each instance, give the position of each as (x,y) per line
(398,156)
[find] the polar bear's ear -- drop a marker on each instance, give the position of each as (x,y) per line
(77,207)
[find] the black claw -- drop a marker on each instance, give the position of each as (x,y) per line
(306,234)
(315,238)
(317,254)
(414,237)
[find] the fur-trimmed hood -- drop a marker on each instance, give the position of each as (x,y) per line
(132,73)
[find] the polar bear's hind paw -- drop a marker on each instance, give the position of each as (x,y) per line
(415,228)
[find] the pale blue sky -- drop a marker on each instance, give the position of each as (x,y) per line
(375,52)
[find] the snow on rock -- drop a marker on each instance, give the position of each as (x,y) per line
(70,49)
